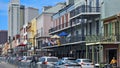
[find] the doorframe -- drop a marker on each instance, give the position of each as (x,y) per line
(107,53)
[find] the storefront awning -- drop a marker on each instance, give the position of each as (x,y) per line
(21,44)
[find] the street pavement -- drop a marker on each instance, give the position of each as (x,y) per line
(6,65)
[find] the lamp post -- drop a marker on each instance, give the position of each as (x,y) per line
(10,50)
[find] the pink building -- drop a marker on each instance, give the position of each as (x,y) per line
(44,23)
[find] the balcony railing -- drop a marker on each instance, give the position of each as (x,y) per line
(84,9)
(108,38)
(87,39)
(66,25)
(61,26)
(21,49)
(71,39)
(67,40)
(80,9)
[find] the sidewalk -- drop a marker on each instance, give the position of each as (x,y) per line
(7,65)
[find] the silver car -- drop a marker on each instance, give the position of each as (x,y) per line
(85,63)
(69,63)
(47,62)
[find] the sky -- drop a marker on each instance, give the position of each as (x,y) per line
(28,3)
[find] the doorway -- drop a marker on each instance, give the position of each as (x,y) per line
(110,54)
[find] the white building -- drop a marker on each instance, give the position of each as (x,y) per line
(30,13)
(14,18)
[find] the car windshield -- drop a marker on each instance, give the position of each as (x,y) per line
(52,60)
(87,61)
(42,60)
(70,60)
(29,58)
(78,60)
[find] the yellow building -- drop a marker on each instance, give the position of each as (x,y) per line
(5,48)
(31,29)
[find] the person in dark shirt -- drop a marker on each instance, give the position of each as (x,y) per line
(34,59)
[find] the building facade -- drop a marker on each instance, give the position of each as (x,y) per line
(22,15)
(3,36)
(14,18)
(23,39)
(44,24)
(78,20)
(31,29)
(111,22)
(3,39)
(106,44)
(19,17)
(5,49)
(30,13)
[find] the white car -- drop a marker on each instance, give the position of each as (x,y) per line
(69,63)
(63,60)
(85,63)
(47,62)
(27,59)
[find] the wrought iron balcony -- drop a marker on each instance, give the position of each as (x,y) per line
(98,38)
(21,49)
(84,9)
(67,40)
(59,27)
(87,39)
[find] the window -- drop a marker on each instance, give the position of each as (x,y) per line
(87,61)
(90,25)
(42,60)
(52,59)
(97,27)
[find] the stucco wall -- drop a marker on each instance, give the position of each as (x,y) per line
(110,8)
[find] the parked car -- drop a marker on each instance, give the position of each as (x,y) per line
(69,63)
(26,59)
(85,63)
(47,62)
(63,60)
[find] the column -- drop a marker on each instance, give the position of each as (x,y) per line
(100,53)
(92,52)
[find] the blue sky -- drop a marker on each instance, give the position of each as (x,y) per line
(28,3)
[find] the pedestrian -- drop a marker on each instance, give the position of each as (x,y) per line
(113,62)
(34,61)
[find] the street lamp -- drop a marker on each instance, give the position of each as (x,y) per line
(10,50)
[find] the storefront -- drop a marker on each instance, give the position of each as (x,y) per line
(112,31)
(76,50)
